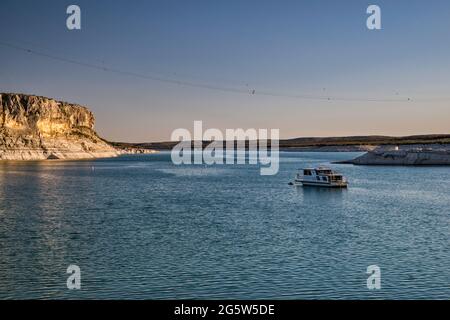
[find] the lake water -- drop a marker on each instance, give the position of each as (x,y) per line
(140,227)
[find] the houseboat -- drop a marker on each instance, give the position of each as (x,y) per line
(320,177)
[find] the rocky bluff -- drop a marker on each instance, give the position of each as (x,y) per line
(38,128)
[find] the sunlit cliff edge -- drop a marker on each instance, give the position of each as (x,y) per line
(38,128)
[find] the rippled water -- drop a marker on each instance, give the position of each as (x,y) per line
(140,227)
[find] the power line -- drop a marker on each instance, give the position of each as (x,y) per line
(196,84)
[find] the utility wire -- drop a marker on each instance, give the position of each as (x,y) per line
(196,84)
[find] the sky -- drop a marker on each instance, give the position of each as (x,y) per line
(393,81)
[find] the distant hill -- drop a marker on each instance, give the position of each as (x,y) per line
(353,143)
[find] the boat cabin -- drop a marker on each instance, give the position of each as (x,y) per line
(322,174)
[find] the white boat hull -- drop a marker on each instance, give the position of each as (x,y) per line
(322,184)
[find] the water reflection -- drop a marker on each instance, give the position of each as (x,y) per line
(317,195)
(33,219)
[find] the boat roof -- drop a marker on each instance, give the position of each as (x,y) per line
(333,173)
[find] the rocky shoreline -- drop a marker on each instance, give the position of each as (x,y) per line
(131,151)
(419,156)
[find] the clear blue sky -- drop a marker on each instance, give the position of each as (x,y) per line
(319,48)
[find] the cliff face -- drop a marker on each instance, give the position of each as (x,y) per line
(37,128)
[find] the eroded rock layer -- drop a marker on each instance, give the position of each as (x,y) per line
(38,128)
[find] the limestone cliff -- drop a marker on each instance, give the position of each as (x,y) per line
(37,128)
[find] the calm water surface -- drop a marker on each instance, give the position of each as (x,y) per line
(140,227)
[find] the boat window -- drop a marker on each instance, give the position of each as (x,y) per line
(307,172)
(318,178)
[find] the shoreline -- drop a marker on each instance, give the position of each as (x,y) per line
(412,157)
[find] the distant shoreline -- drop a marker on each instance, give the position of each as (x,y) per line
(418,156)
(327,144)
